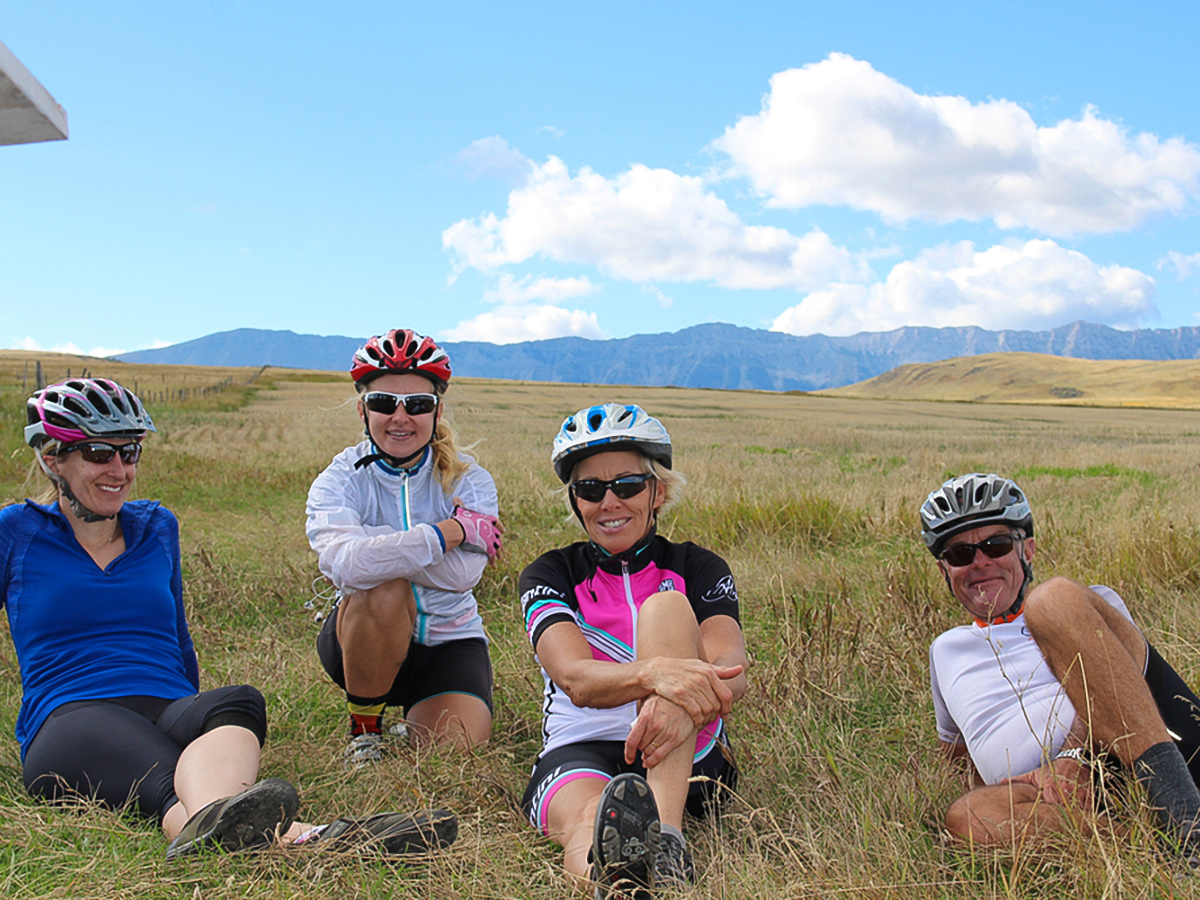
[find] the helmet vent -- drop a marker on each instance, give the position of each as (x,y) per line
(594,420)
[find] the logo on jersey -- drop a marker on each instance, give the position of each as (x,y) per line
(722,590)
(539,591)
(667,584)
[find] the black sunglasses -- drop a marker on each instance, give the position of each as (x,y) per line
(414,404)
(593,489)
(101,453)
(995,547)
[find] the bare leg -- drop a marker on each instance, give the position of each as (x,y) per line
(456,720)
(219,763)
(571,820)
(1099,657)
(374,628)
(1005,814)
(667,627)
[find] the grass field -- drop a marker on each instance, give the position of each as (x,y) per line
(813,502)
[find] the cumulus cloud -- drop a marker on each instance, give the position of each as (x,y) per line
(526,322)
(645,225)
(509,289)
(28,343)
(1032,285)
(838,132)
(1185,266)
(493,157)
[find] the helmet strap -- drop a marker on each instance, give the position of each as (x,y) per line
(80,511)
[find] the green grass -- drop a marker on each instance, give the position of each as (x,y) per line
(841,794)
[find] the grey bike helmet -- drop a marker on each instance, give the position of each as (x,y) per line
(84,408)
(972,501)
(612,426)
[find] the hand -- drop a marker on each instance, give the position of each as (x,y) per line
(660,727)
(481,532)
(1061,782)
(696,686)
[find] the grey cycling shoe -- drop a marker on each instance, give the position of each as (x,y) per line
(249,819)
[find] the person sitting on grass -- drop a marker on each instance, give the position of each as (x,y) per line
(642,655)
(403,524)
(111,706)
(1047,682)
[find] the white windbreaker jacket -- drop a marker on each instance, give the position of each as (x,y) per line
(371,525)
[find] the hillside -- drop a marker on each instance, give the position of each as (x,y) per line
(705,356)
(1038,378)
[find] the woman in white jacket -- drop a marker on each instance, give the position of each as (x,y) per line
(403,524)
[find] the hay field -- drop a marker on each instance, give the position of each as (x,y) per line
(811,499)
(1038,378)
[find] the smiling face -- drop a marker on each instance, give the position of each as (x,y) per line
(615,524)
(988,587)
(101,488)
(401,435)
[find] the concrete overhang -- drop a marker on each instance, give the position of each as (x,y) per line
(28,113)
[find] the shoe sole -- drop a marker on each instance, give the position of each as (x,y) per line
(626,838)
(249,819)
(393,833)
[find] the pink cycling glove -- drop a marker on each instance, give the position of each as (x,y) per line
(481,532)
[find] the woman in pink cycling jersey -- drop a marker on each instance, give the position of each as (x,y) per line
(642,655)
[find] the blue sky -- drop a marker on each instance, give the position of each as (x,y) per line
(479,172)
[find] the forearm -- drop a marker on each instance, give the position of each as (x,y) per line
(597,684)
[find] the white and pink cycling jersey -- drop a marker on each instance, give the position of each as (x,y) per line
(602,597)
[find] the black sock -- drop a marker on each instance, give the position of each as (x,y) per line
(1173,795)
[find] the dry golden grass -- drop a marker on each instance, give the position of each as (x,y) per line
(1038,378)
(811,499)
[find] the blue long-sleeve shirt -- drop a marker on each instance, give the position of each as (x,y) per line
(86,633)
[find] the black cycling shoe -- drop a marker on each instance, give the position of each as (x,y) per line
(249,819)
(626,839)
(391,833)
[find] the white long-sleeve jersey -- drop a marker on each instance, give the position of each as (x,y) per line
(371,525)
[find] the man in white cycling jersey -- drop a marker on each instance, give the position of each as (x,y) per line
(1046,681)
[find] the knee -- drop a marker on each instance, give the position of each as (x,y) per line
(961,822)
(388,601)
(667,612)
(1055,603)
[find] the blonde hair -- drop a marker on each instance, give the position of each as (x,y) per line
(49,490)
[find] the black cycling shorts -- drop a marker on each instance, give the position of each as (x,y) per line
(456,667)
(123,750)
(604,760)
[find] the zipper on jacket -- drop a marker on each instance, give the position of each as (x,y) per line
(422,616)
(633,610)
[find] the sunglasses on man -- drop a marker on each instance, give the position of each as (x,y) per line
(624,488)
(414,404)
(101,453)
(995,547)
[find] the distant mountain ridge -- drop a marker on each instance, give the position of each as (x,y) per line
(703,356)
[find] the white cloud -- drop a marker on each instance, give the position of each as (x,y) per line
(29,343)
(1032,285)
(492,157)
(645,225)
(663,300)
(838,132)
(509,289)
(1185,266)
(512,323)
(556,133)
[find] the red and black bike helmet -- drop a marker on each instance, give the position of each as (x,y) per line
(400,350)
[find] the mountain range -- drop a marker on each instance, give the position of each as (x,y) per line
(703,356)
